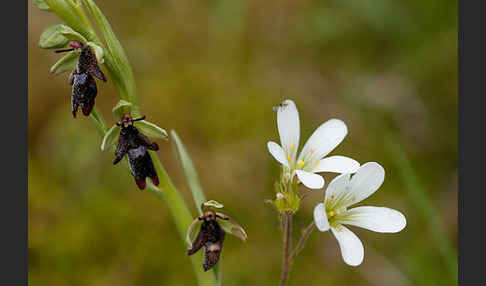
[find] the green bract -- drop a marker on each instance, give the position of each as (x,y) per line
(52,38)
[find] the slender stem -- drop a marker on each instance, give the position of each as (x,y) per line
(303,239)
(287,223)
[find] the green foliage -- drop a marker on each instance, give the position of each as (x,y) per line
(52,38)
(191,175)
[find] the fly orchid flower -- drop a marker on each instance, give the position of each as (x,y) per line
(343,192)
(311,159)
(212,232)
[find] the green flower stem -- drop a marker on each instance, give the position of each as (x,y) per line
(120,71)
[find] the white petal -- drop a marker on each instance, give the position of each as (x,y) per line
(310,180)
(351,247)
(337,164)
(365,182)
(379,219)
(336,190)
(323,140)
(278,153)
(288,127)
(320,217)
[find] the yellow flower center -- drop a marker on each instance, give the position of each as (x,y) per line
(292,148)
(331,213)
(288,158)
(316,163)
(301,163)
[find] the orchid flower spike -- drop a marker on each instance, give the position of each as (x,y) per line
(311,159)
(343,192)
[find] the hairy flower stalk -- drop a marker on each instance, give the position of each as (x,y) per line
(287,241)
(73,14)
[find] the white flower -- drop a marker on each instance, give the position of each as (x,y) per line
(343,192)
(311,159)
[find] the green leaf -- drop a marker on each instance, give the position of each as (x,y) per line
(69,33)
(151,130)
(190,172)
(51,38)
(110,137)
(41,5)
(66,63)
(121,108)
(98,52)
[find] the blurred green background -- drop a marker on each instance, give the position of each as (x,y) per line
(212,70)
